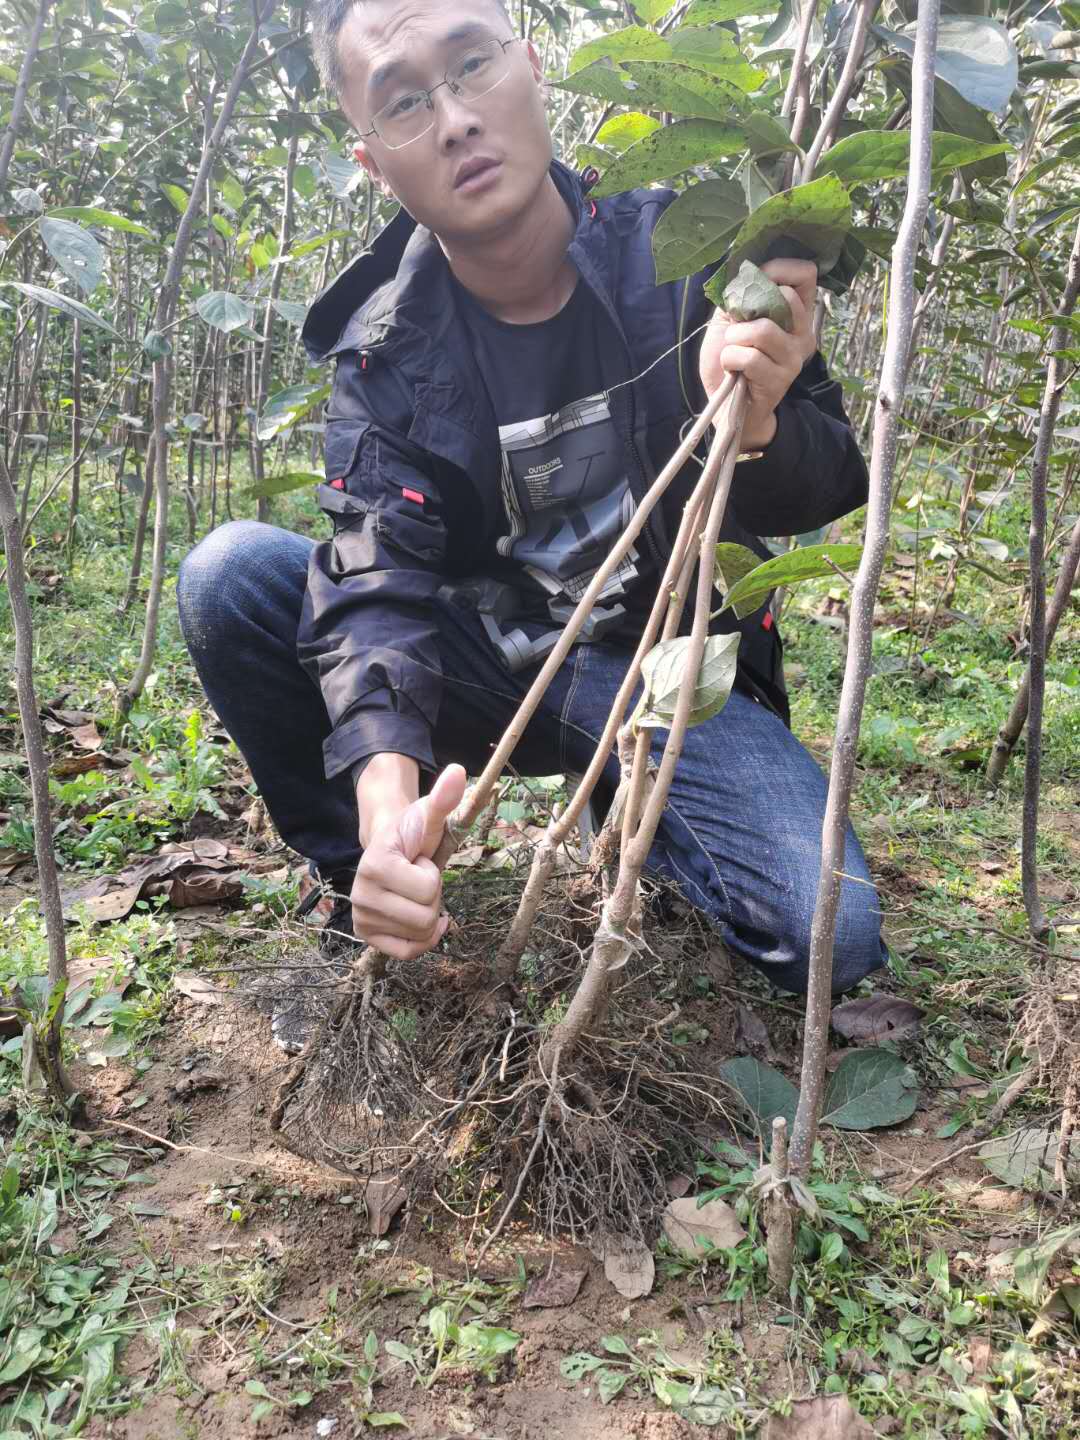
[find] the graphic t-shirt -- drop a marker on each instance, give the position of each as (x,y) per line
(565,489)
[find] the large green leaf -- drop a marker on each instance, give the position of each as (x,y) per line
(681,90)
(622,131)
(710,12)
(696,228)
(764,1091)
(76,251)
(669,151)
(664,673)
(601,80)
(808,562)
(652,10)
(94,216)
(732,563)
(285,408)
(817,215)
(885,154)
(223,310)
(283,484)
(293,312)
(633,43)
(975,55)
(1026,1160)
(868,1089)
(55,301)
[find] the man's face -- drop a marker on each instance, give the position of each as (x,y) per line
(388,48)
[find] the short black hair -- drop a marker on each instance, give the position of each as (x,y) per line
(326,25)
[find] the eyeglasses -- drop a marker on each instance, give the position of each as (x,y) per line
(409,117)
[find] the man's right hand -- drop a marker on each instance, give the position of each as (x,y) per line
(397,894)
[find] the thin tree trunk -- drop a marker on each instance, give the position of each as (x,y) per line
(49,1055)
(22,85)
(163,368)
(1013,727)
(857,668)
(1056,381)
(76,432)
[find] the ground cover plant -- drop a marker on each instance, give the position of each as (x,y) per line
(596,1225)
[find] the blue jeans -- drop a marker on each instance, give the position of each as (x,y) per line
(741,836)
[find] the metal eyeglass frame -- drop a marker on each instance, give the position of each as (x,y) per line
(429,102)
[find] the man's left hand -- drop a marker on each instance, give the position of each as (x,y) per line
(769,357)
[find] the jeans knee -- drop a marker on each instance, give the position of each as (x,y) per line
(212,572)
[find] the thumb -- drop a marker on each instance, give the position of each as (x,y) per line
(423,823)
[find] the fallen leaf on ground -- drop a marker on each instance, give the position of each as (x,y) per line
(876,1018)
(554,1289)
(82,975)
(630,1268)
(199,1080)
(678,1185)
(195,873)
(198,988)
(384,1196)
(87,736)
(829,1417)
(79,764)
(751,1034)
(980,1353)
(10,860)
(686,1224)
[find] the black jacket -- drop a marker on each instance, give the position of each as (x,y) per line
(409,413)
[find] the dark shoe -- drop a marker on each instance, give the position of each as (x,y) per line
(305,996)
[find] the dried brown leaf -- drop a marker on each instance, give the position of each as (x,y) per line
(87,736)
(876,1019)
(630,1267)
(686,1224)
(751,1034)
(553,1290)
(829,1417)
(384,1196)
(198,988)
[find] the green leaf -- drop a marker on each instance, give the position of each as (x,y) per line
(610,1383)
(257,1388)
(622,131)
(868,1089)
(28,201)
(76,251)
(633,43)
(732,563)
(578,1365)
(832,1249)
(285,408)
(710,12)
(717,52)
(884,155)
(681,90)
(696,228)
(1026,1160)
(753,296)
(600,80)
(764,1091)
(304,182)
(176,197)
(664,672)
(292,311)
(937,1267)
(157,345)
(615,1345)
(223,310)
(817,215)
(1030,1264)
(652,10)
(106,218)
(384,1419)
(669,151)
(805,563)
(55,301)
(975,55)
(489,1339)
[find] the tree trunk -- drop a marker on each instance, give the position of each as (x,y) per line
(50,1052)
(163,368)
(1056,380)
(857,668)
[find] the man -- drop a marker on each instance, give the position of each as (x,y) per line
(508,381)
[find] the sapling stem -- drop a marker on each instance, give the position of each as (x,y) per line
(49,1054)
(890,397)
(612,941)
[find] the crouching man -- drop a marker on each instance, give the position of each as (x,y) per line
(508,382)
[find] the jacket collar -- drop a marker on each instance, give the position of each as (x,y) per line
(401,286)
